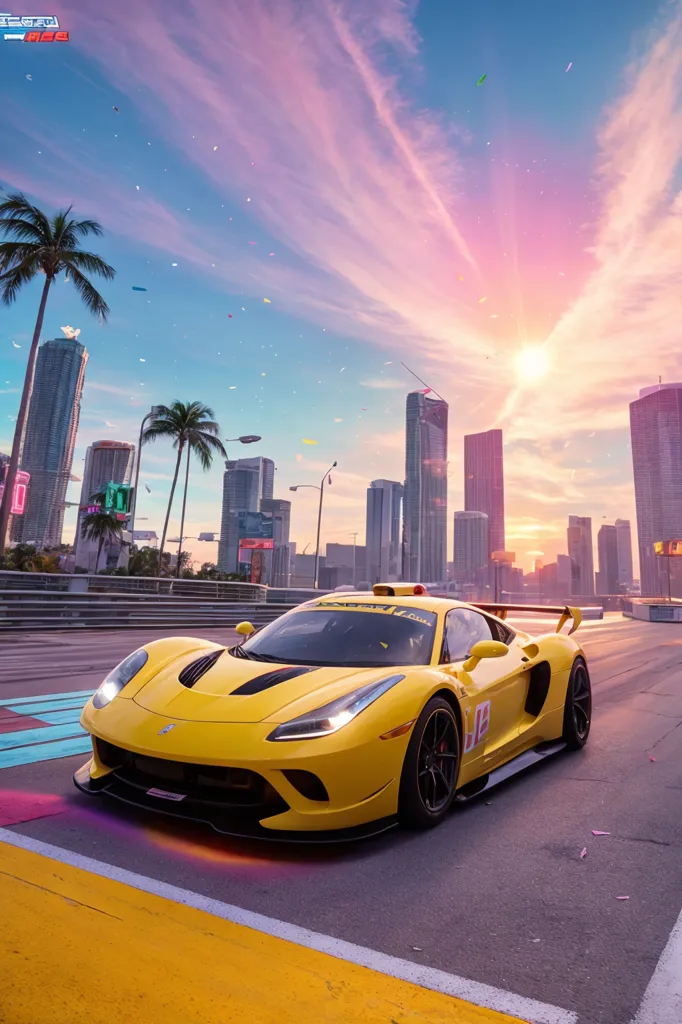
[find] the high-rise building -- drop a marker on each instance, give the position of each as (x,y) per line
(47,453)
(105,461)
(470,545)
(344,564)
(581,555)
(624,540)
(484,482)
(278,567)
(246,482)
(425,505)
(607,549)
(383,533)
(656,435)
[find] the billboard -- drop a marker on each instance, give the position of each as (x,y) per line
(670,548)
(255,526)
(21,482)
(118,497)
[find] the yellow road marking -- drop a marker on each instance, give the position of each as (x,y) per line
(78,948)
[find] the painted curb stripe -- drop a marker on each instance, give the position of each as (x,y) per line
(49,705)
(427,977)
(7,701)
(45,751)
(24,737)
(73,716)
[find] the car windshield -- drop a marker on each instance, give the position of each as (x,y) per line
(357,635)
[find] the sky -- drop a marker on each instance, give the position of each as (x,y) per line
(314,192)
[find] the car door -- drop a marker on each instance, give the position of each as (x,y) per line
(496,688)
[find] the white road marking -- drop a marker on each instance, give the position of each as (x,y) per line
(427,977)
(662,1002)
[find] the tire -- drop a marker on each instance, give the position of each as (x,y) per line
(429,777)
(578,706)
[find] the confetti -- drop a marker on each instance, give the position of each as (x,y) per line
(417,949)
(232,387)
(148,489)
(598,833)
(484,299)
(385,646)
(137,187)
(267,300)
(338,420)
(30,78)
(136,288)
(15,344)
(299,458)
(651,758)
(263,374)
(173,264)
(116,109)
(622,897)
(569,66)
(142,360)
(460,277)
(307,440)
(583,853)
(215,148)
(481,80)
(229,316)
(271,254)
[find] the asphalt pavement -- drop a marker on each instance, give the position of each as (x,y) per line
(498,894)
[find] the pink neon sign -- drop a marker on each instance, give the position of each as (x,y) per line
(21,482)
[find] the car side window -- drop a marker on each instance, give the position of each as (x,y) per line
(463,629)
(500,631)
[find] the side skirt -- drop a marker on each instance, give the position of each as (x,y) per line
(506,771)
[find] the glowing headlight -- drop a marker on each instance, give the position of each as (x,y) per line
(333,716)
(119,678)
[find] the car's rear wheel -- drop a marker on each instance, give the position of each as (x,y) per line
(578,707)
(431,766)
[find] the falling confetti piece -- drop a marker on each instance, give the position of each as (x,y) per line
(460,277)
(306,440)
(248,199)
(622,897)
(142,360)
(363,408)
(299,458)
(137,187)
(229,316)
(583,853)
(417,949)
(271,254)
(252,243)
(30,78)
(215,148)
(569,66)
(651,758)
(148,488)
(232,387)
(173,264)
(116,109)
(267,300)
(484,299)
(535,940)
(386,645)
(15,344)
(136,288)
(481,80)
(598,833)
(263,374)
(338,420)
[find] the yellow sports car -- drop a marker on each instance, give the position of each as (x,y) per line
(347,715)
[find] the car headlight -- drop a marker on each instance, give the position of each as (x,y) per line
(333,716)
(119,678)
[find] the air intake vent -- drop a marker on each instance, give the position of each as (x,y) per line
(264,682)
(193,672)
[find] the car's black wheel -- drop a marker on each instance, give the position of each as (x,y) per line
(578,707)
(431,766)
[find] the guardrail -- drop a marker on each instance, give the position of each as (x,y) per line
(30,611)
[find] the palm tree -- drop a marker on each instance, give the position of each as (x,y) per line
(101,526)
(192,427)
(39,245)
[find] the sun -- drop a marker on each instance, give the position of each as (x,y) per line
(532,363)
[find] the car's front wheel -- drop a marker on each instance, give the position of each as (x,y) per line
(578,707)
(429,776)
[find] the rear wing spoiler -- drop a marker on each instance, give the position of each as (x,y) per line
(565,613)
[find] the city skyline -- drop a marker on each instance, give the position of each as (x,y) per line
(477,241)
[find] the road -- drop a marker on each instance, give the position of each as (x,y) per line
(499,894)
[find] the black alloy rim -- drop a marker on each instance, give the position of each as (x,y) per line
(437,761)
(582,701)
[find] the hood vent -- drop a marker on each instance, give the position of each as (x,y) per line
(264,682)
(193,672)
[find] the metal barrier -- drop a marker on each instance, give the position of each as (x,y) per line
(52,610)
(82,583)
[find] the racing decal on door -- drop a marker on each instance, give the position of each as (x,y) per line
(481,725)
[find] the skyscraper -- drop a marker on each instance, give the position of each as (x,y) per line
(607,548)
(426,489)
(624,539)
(581,555)
(656,435)
(484,482)
(278,565)
(471,544)
(245,483)
(51,426)
(104,461)
(383,531)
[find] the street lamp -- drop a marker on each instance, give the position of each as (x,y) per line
(152,414)
(316,583)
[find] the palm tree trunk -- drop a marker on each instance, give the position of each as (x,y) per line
(99,553)
(168,510)
(20,426)
(184,505)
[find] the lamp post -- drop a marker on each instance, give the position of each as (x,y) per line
(154,411)
(355,540)
(319,520)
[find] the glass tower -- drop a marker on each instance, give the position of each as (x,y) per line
(425,508)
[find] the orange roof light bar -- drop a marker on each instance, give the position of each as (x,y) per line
(399,590)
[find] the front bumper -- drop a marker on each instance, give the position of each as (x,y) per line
(359,771)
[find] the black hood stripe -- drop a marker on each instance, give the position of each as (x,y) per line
(264,682)
(193,672)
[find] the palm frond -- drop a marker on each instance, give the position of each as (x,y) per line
(86,227)
(21,229)
(16,203)
(87,261)
(88,293)
(12,281)
(13,253)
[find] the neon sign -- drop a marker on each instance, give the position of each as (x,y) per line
(42,28)
(21,482)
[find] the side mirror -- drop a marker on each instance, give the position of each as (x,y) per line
(246,629)
(484,649)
